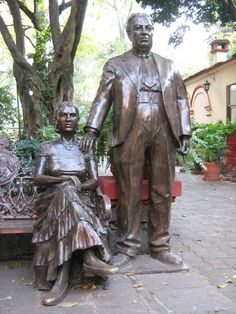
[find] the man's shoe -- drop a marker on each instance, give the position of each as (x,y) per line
(120,260)
(167,257)
(56,295)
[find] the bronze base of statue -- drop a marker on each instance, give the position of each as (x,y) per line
(144,264)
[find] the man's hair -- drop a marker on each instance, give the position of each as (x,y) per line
(132,18)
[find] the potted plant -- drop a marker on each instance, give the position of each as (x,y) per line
(213,147)
(193,162)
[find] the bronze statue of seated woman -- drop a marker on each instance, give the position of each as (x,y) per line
(67,223)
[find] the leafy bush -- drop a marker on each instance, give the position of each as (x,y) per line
(8,112)
(26,150)
(209,140)
(213,138)
(193,160)
(208,143)
(48,133)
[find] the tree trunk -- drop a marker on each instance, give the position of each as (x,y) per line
(65,46)
(41,86)
(33,117)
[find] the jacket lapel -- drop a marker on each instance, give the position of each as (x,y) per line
(131,68)
(166,71)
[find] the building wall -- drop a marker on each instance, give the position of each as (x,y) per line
(212,106)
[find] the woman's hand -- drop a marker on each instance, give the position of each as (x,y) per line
(89,184)
(76,182)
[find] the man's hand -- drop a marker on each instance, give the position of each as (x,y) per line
(185,145)
(88,141)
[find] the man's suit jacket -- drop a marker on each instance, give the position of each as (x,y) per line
(119,87)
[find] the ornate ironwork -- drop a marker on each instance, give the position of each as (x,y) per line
(9,163)
(17,196)
(17,191)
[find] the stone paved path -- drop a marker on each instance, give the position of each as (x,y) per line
(203,232)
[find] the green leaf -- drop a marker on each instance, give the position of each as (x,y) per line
(68,304)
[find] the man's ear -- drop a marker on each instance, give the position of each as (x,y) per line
(130,35)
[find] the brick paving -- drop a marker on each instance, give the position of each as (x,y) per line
(203,232)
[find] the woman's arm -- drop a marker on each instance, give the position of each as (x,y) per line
(40,177)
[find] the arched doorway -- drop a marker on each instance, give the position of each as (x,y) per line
(200,105)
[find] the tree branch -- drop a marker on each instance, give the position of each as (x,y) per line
(15,52)
(64,6)
(71,34)
(19,60)
(18,27)
(28,13)
(54,23)
(231,7)
(79,25)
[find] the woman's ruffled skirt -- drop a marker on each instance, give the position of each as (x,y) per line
(66,224)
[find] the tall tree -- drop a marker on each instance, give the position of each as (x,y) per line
(46,75)
(207,12)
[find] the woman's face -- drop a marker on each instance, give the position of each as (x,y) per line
(67,119)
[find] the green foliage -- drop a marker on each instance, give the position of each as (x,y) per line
(8,112)
(26,150)
(41,59)
(229,128)
(83,113)
(205,12)
(213,139)
(103,37)
(103,146)
(193,160)
(208,143)
(226,32)
(48,133)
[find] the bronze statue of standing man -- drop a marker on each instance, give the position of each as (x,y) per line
(150,120)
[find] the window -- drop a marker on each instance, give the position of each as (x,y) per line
(231,110)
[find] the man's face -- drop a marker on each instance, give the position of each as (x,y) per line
(67,119)
(141,33)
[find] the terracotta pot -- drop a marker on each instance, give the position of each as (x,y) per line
(108,186)
(213,172)
(146,170)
